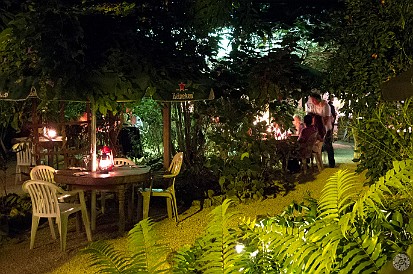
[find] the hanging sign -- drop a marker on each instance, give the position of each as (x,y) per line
(182,93)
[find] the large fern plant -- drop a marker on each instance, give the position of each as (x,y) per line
(350,229)
(143,255)
(215,251)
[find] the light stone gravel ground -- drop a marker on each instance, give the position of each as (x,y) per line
(16,257)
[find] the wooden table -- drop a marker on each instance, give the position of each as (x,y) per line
(116,180)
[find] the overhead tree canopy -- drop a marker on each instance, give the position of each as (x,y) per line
(110,51)
(374,40)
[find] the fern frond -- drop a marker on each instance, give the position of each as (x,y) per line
(107,258)
(143,244)
(221,255)
(363,254)
(337,195)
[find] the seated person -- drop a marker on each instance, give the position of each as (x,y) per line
(307,135)
(298,124)
(308,130)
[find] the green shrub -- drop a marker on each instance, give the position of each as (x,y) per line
(345,231)
(383,137)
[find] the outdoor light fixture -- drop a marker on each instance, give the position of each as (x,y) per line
(50,133)
(105,160)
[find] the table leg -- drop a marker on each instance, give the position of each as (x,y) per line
(131,202)
(93,210)
(121,197)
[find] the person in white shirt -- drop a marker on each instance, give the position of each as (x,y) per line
(317,106)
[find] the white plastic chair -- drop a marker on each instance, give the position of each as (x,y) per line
(123,162)
(44,173)
(168,192)
(317,154)
(45,204)
(306,151)
(25,159)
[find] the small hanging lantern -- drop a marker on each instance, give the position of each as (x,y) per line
(105,160)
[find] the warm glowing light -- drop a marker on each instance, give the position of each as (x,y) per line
(239,248)
(49,133)
(106,160)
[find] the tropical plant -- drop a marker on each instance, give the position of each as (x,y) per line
(350,229)
(215,251)
(238,154)
(150,112)
(15,214)
(144,254)
(384,136)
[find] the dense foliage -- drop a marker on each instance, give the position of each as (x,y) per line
(384,136)
(374,42)
(350,229)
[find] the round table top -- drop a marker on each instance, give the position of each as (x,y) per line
(118,176)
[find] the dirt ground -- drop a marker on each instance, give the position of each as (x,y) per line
(46,257)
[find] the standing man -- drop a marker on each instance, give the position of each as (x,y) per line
(317,106)
(333,110)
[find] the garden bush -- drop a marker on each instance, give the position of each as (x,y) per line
(349,229)
(383,137)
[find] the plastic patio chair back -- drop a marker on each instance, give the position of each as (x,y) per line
(306,150)
(45,204)
(24,154)
(44,173)
(123,162)
(24,157)
(175,166)
(168,192)
(44,198)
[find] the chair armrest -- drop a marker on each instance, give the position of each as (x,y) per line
(167,176)
(72,193)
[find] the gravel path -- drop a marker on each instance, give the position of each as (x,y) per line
(16,257)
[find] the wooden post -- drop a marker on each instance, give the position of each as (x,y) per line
(35,121)
(166,115)
(93,136)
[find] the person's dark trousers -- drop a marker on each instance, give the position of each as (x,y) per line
(328,147)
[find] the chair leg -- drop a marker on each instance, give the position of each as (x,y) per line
(319,162)
(102,201)
(146,201)
(304,164)
(18,177)
(35,224)
(175,208)
(169,205)
(52,228)
(85,218)
(63,231)
(86,223)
